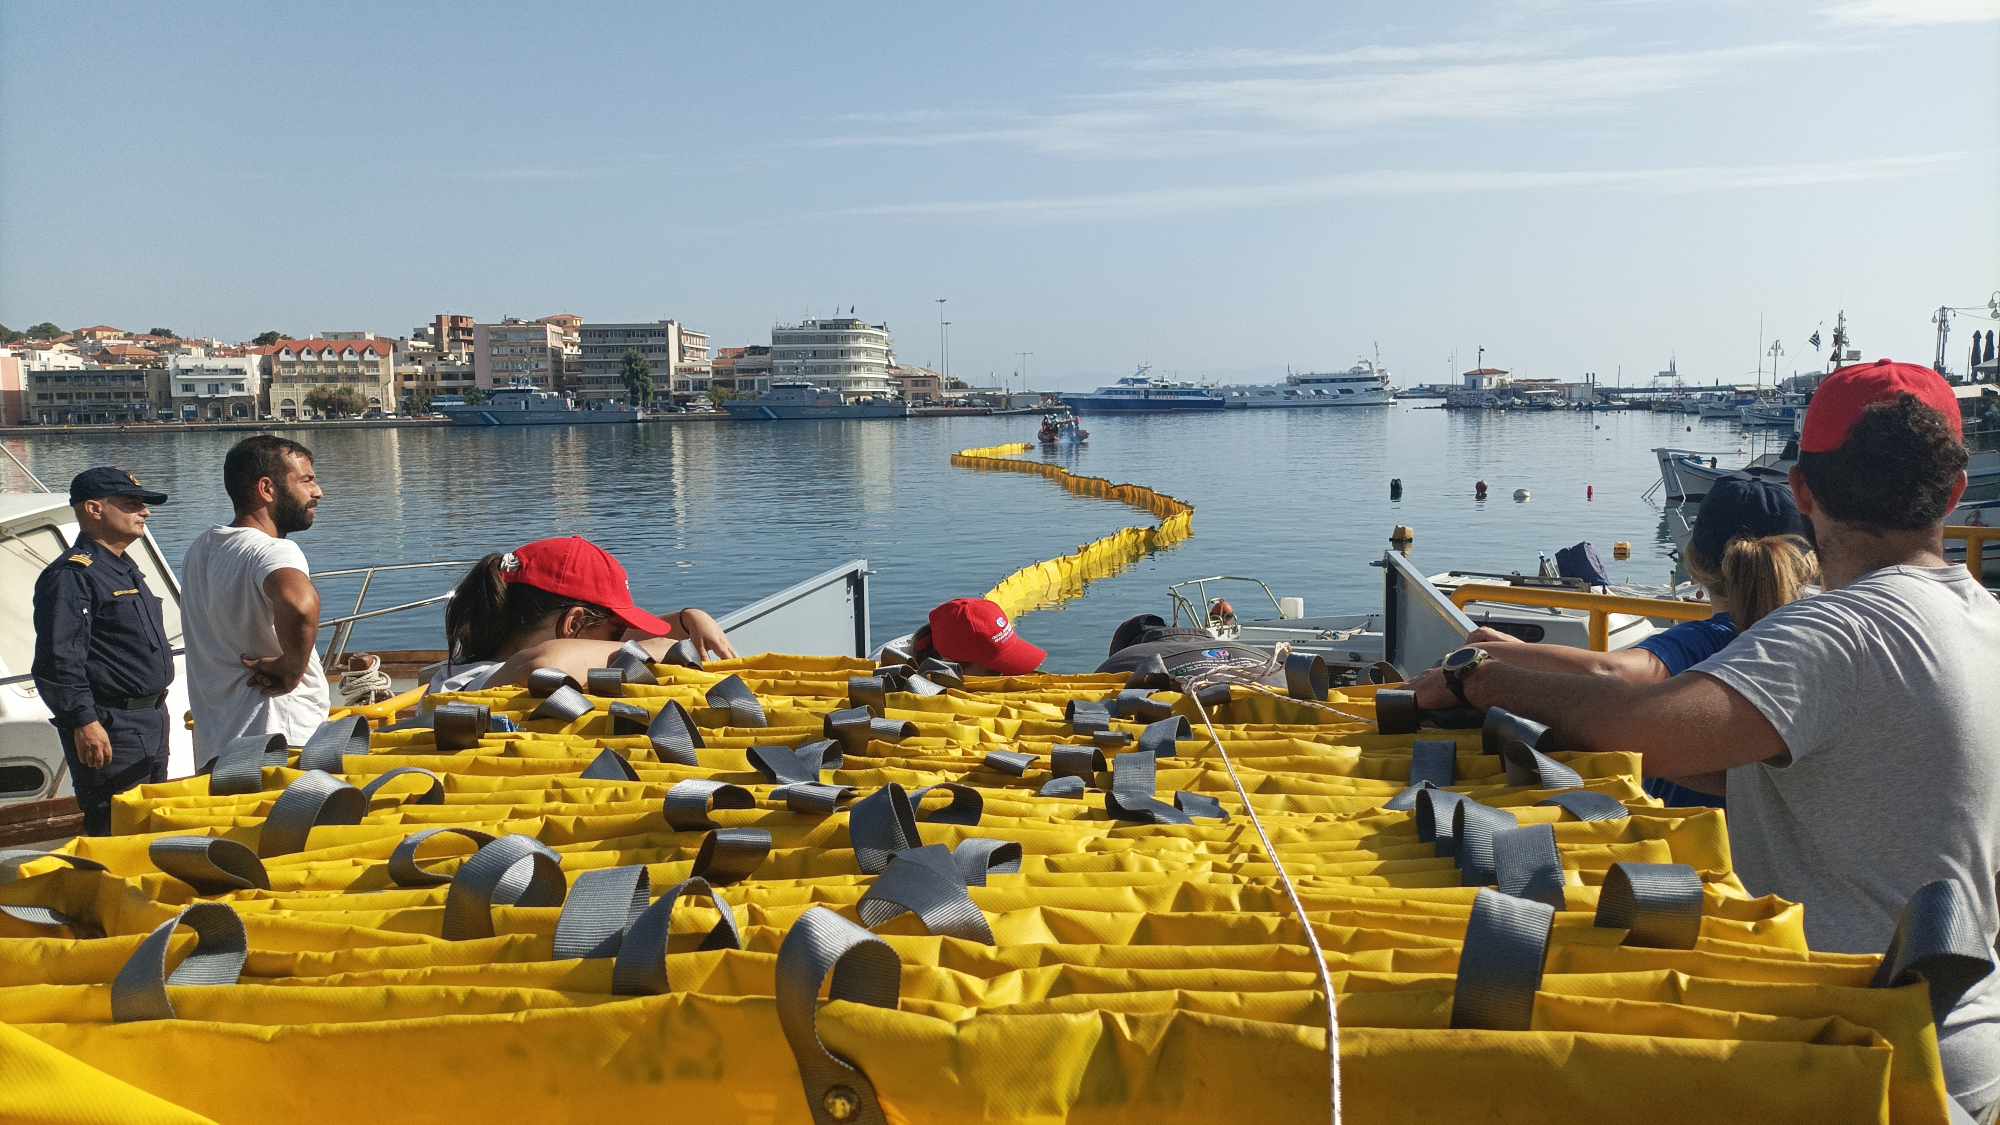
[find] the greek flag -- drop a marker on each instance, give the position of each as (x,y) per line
(1814,339)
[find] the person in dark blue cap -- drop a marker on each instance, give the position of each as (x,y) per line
(102,662)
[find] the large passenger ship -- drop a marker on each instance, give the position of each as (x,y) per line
(800,401)
(1140,393)
(1364,384)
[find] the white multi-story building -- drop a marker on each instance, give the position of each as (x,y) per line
(676,354)
(518,351)
(203,389)
(841,353)
(50,357)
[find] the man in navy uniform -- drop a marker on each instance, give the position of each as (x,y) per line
(102,663)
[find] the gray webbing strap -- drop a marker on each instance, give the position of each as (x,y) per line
(510,871)
(729,855)
(1134,778)
(139,992)
(1407,799)
(1084,762)
(1200,805)
(239,768)
(1473,827)
(982,856)
(915,683)
(783,765)
(1434,761)
(1434,819)
(1158,737)
(1008,762)
(606,682)
(1396,712)
(1528,766)
(432,794)
(1585,805)
(405,871)
(965,808)
(742,704)
(1139,705)
(868,691)
(814,798)
(327,748)
(641,967)
(857,727)
(211,865)
(460,726)
(315,798)
(1110,739)
(544,682)
(1938,940)
(689,802)
(1212,696)
(1527,865)
(609,765)
(1502,727)
(1500,963)
(1306,676)
(1657,904)
(628,718)
(926,882)
(636,664)
(1151,675)
(865,970)
(944,673)
(1086,715)
(880,825)
(564,705)
(11,862)
(1068,786)
(674,735)
(601,904)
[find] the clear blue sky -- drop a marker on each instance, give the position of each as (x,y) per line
(1218,190)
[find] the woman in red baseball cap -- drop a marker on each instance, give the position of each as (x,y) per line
(555,603)
(976,634)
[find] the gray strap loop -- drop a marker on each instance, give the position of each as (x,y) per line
(1658,904)
(432,795)
(742,704)
(813,798)
(605,682)
(1407,799)
(1473,827)
(1084,762)
(865,970)
(880,825)
(965,808)
(1434,819)
(313,799)
(1008,762)
(139,992)
(545,682)
(857,728)
(683,653)
(1110,739)
(1500,964)
(211,865)
(405,871)
(1139,705)
(1528,766)
(328,747)
(1502,727)
(1306,676)
(1200,805)
(689,803)
(1585,805)
(565,705)
(628,718)
(510,871)
(11,862)
(869,692)
(926,882)
(1066,786)
(1396,712)
(609,765)
(944,673)
(1212,696)
(460,726)
(729,855)
(601,904)
(239,768)
(783,765)
(674,735)
(1938,940)
(636,663)
(982,856)
(1134,778)
(641,967)
(1434,761)
(912,682)
(1087,715)
(1158,737)
(1527,865)
(1151,675)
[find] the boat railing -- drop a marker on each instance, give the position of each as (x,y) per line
(343,627)
(1197,616)
(1600,607)
(1975,539)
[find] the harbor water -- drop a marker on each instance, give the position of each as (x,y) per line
(719,514)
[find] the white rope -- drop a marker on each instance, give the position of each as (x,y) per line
(1191,688)
(358,685)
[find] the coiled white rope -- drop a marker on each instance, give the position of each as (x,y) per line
(360,684)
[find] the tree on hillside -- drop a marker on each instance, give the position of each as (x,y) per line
(266,339)
(638,378)
(44,331)
(167,332)
(9,336)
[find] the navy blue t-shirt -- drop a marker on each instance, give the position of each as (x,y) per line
(1680,648)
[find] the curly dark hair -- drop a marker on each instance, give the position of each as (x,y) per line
(1895,472)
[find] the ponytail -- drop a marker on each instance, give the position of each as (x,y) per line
(1759,575)
(487,613)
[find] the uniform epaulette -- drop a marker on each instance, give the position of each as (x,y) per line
(81,559)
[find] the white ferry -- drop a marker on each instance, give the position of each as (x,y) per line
(801,401)
(525,404)
(1364,384)
(1140,393)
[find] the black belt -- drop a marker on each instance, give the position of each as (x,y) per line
(131,703)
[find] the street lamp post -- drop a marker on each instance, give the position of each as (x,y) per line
(1025,357)
(1777,349)
(941,325)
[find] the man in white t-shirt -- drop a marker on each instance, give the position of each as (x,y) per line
(251,612)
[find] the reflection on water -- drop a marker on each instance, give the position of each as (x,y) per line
(717,515)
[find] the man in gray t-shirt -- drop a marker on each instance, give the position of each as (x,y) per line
(1856,731)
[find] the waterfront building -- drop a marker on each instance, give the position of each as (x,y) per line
(918,384)
(742,371)
(843,354)
(426,375)
(214,388)
(694,371)
(92,395)
(13,389)
(1482,386)
(452,332)
(514,351)
(676,355)
(297,367)
(38,356)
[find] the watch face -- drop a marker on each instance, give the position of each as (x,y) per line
(1460,658)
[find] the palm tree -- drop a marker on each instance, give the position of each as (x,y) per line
(638,376)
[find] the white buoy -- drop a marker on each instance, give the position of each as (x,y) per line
(1522,496)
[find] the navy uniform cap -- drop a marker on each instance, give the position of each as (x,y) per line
(1742,505)
(96,484)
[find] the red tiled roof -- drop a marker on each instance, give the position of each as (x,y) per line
(128,351)
(291,348)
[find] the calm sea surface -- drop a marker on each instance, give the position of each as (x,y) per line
(719,514)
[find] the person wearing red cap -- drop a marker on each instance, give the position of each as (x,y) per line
(977,635)
(555,603)
(1854,729)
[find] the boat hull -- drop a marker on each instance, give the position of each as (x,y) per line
(808,412)
(478,416)
(1091,404)
(1346,402)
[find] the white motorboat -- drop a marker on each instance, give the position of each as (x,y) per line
(1363,384)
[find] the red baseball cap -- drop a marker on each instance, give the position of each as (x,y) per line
(574,567)
(1843,396)
(975,631)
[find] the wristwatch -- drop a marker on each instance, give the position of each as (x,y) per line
(1460,665)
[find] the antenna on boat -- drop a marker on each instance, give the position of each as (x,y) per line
(30,473)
